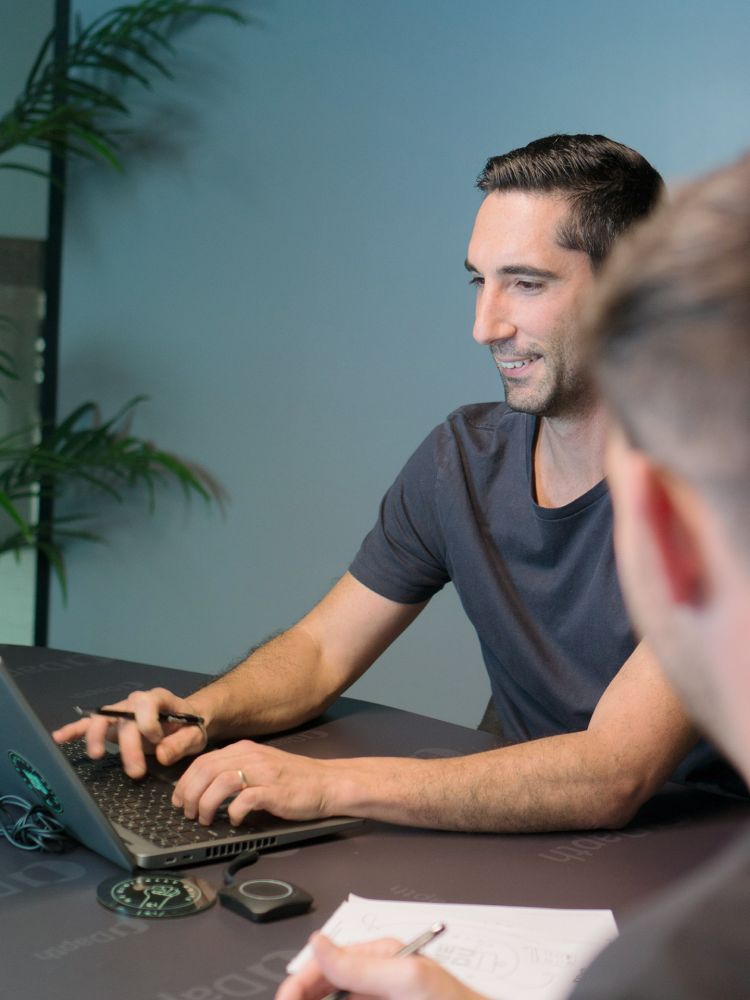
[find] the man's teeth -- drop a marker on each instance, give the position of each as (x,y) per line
(516,364)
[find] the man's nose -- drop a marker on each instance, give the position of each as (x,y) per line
(492,321)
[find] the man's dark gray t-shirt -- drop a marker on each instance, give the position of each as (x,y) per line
(539,584)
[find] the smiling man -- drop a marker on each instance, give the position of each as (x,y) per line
(507,501)
(533,343)
(671,345)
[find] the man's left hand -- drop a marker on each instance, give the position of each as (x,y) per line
(259,777)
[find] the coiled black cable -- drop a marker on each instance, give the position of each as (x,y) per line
(30,827)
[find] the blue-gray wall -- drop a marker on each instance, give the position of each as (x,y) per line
(280,270)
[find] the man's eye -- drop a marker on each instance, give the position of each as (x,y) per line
(477,281)
(529,286)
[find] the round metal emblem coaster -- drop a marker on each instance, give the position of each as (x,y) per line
(156,895)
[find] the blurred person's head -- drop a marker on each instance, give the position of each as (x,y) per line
(670,340)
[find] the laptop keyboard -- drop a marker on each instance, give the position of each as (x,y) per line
(142,806)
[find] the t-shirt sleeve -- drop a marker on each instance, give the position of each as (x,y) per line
(402,558)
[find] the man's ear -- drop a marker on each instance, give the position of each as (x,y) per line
(670,512)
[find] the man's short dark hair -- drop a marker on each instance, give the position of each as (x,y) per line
(609,186)
(669,332)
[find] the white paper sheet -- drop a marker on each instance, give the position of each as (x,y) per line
(504,952)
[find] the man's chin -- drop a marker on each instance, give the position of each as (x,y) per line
(524,402)
(541,407)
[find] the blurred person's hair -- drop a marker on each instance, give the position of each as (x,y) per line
(669,333)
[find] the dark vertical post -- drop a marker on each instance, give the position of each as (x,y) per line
(52,282)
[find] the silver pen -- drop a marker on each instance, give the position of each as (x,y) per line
(409,949)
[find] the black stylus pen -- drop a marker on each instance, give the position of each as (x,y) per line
(115,713)
(409,949)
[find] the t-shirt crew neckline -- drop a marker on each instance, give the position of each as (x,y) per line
(597,491)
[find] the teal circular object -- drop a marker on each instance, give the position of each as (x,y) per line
(156,895)
(35,781)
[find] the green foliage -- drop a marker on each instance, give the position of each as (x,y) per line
(7,361)
(68,104)
(7,367)
(83,451)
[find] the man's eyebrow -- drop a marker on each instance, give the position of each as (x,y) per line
(527,270)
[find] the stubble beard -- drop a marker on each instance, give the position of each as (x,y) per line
(564,392)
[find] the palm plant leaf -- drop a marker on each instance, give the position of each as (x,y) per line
(25,529)
(7,363)
(63,110)
(69,105)
(102,454)
(83,449)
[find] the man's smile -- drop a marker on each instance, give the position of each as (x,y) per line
(511,364)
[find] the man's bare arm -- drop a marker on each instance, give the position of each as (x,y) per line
(290,679)
(297,675)
(585,780)
(595,778)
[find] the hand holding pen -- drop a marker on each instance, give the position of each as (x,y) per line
(374,970)
(408,949)
(117,713)
(147,722)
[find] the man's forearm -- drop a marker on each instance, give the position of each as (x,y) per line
(295,676)
(557,783)
(636,736)
(279,685)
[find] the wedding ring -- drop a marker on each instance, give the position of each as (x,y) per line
(243,779)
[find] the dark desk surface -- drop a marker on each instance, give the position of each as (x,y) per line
(57,941)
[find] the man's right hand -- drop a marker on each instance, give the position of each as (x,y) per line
(169,741)
(371,972)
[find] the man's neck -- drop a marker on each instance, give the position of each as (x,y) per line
(568,456)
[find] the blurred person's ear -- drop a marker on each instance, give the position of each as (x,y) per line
(671,513)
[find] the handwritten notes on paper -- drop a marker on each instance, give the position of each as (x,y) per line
(504,952)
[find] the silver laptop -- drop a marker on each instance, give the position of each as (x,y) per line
(133,823)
